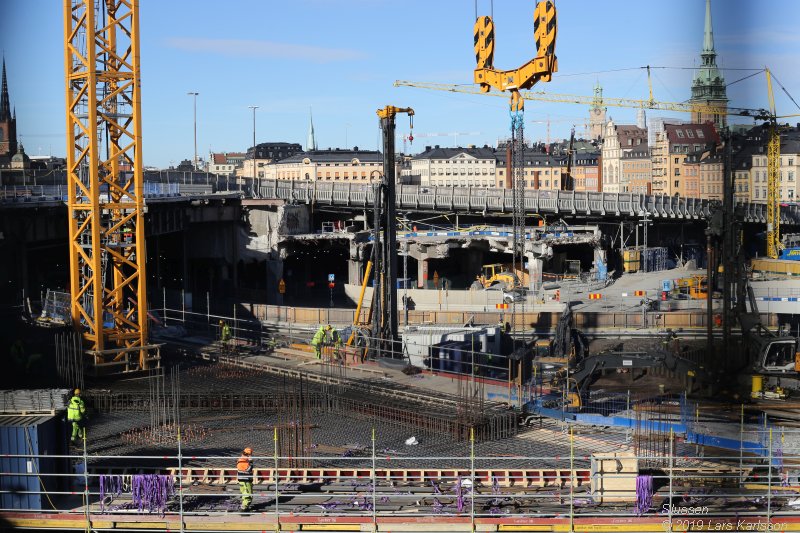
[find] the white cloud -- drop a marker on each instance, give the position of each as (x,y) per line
(258,48)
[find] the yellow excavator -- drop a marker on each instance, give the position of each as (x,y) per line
(502,273)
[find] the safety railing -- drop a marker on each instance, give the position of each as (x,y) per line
(376,482)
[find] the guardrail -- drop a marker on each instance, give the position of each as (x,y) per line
(498,200)
(33,194)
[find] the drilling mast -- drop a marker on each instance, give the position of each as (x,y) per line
(105,183)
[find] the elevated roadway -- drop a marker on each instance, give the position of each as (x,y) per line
(496,201)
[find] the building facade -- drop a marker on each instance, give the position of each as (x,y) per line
(636,167)
(585,172)
(670,150)
(541,171)
(617,140)
(469,166)
(355,165)
(226,163)
(261,155)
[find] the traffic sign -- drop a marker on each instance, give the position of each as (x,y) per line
(331,278)
(282,286)
(331,285)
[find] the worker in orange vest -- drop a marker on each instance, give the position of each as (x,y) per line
(244,475)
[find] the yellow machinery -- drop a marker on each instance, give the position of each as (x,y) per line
(501,273)
(105,183)
(773,178)
(540,68)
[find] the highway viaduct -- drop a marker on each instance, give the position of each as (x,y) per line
(206,234)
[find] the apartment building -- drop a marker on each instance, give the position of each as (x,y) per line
(471,166)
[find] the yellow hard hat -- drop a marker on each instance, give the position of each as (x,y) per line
(248,451)
(328,327)
(77,391)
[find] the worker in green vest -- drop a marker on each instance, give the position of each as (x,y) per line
(76,411)
(224,333)
(319,338)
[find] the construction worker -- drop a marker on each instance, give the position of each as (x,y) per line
(76,410)
(334,339)
(224,332)
(244,475)
(318,339)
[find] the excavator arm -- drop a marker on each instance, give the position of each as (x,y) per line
(579,380)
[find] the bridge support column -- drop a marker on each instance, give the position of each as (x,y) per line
(422,253)
(355,263)
(536,253)
(422,273)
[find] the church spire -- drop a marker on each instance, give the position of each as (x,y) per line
(311,142)
(708,34)
(5,105)
(708,86)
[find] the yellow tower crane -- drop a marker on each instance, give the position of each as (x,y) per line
(105,183)
(773,177)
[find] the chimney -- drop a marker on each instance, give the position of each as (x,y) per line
(437,146)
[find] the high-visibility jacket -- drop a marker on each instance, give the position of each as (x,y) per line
(76,409)
(226,332)
(244,469)
(319,336)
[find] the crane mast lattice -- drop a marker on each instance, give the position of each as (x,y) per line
(105,182)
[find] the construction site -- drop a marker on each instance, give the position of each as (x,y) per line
(543,398)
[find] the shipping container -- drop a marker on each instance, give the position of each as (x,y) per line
(30,435)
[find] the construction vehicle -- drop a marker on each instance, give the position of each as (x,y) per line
(502,273)
(573,381)
(692,288)
(775,359)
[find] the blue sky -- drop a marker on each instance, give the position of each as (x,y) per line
(340,57)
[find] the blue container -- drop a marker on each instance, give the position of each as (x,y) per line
(29,435)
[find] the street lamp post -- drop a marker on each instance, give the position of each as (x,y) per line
(194,97)
(254,107)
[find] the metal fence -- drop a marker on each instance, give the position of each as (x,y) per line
(376,485)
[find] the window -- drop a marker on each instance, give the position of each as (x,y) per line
(699,134)
(677,172)
(677,184)
(676,160)
(690,134)
(679,133)
(791,175)
(791,161)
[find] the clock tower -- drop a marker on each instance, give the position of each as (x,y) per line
(597,114)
